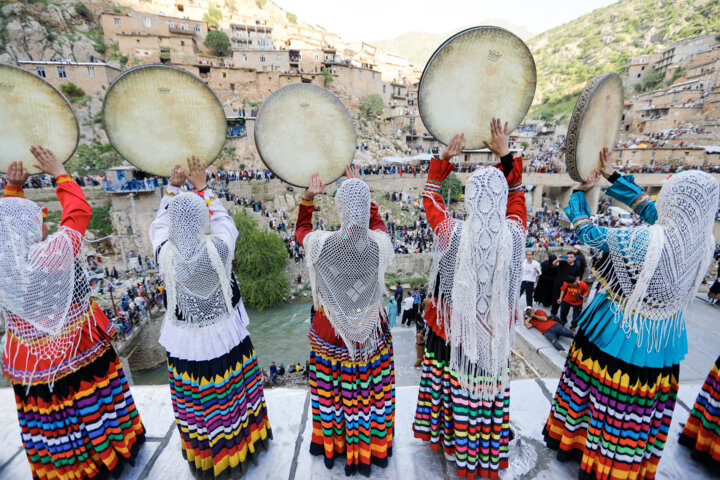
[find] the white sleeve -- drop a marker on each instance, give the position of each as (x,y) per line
(161,225)
(221,223)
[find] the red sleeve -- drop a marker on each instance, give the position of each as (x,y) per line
(564,287)
(432,200)
(376,222)
(516,208)
(584,288)
(304,222)
(76,211)
(11,191)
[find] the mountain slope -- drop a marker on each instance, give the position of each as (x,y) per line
(601,41)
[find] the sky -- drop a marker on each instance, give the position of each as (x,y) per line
(385,19)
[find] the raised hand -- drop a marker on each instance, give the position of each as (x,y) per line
(351,172)
(178,177)
(315,187)
(196,175)
(590,182)
(606,167)
(500,140)
(47,161)
(455,147)
(16,175)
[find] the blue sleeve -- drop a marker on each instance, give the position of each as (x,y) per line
(626,191)
(587,232)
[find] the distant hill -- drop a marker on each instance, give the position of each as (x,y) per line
(601,41)
(418,46)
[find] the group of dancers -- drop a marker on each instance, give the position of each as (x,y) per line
(614,401)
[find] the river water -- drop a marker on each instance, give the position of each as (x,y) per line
(279,335)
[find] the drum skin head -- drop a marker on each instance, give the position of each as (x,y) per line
(475,75)
(156,116)
(593,125)
(33,112)
(302,129)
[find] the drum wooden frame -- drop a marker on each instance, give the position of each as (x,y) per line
(324,151)
(510,77)
(193,138)
(63,150)
(587,102)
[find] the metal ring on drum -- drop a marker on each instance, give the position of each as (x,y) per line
(33,112)
(478,74)
(156,116)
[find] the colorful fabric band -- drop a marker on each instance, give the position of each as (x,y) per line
(11,191)
(433,186)
(516,187)
(63,178)
(581,222)
(307,203)
(640,201)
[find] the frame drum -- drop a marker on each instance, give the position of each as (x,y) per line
(302,129)
(156,116)
(593,125)
(33,112)
(475,75)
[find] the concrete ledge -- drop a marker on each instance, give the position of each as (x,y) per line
(539,351)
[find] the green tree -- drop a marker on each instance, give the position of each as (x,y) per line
(71,90)
(327,76)
(218,41)
(259,264)
(82,10)
(213,16)
(292,18)
(372,105)
(452,185)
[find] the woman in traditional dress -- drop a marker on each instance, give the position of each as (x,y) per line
(391,312)
(215,381)
(352,375)
(544,289)
(77,417)
(464,396)
(702,430)
(615,399)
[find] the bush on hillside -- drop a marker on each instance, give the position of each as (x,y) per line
(372,105)
(71,90)
(82,10)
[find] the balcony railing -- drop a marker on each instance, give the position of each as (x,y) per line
(130,186)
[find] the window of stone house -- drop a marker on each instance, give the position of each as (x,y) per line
(620,154)
(91,72)
(360,73)
(384,88)
(244,57)
(277,58)
(171,24)
(638,75)
(643,68)
(147,22)
(197,28)
(184,26)
(373,75)
(232,87)
(180,8)
(118,22)
(262,58)
(41,71)
(61,72)
(224,75)
(317,56)
(182,43)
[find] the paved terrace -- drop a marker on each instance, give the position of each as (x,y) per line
(289,412)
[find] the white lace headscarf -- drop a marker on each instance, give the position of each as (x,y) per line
(479,273)
(659,268)
(38,281)
(196,267)
(347,271)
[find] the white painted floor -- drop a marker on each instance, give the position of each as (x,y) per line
(288,457)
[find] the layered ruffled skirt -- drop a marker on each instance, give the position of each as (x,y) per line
(220,411)
(86,427)
(472,432)
(353,402)
(611,415)
(702,430)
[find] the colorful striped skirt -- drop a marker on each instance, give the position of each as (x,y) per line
(702,430)
(472,432)
(353,405)
(86,427)
(220,411)
(612,416)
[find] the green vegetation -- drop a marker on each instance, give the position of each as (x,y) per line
(602,41)
(120,10)
(82,10)
(411,278)
(292,18)
(218,41)
(93,159)
(71,90)
(100,223)
(53,220)
(123,59)
(213,16)
(649,82)
(327,76)
(677,74)
(259,263)
(372,105)
(98,40)
(451,189)
(260,3)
